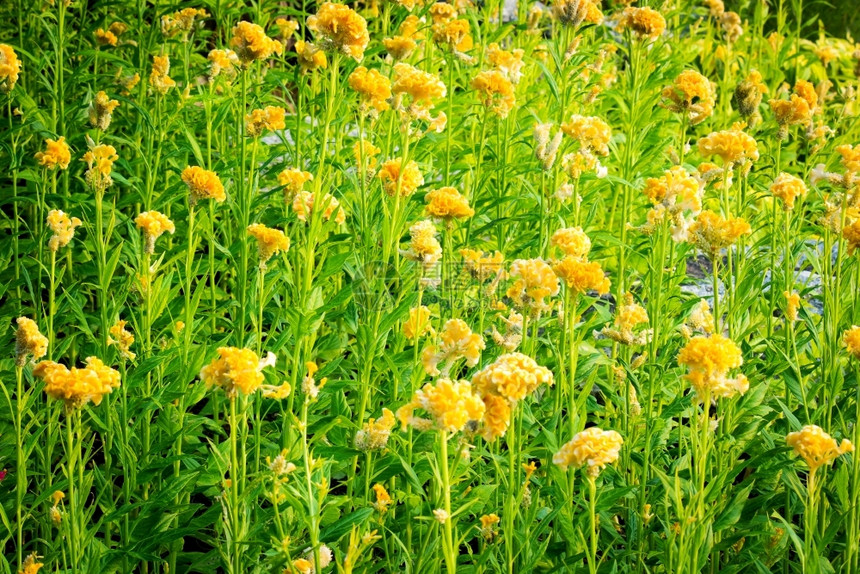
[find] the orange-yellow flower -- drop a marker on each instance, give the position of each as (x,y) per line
(310,55)
(851,340)
(629,320)
(293,180)
(101,111)
(581,275)
(269,241)
(644,22)
(709,360)
(450,404)
(123,339)
(203,184)
(10,67)
(250,43)
(788,188)
(77,386)
(374,89)
(159,78)
(733,146)
(534,281)
(711,232)
(495,91)
(57,154)
(341,29)
(236,370)
(374,434)
(99,159)
(153,224)
(593,447)
(303,206)
(572,241)
(817,447)
(512,376)
(223,62)
(63,228)
(592,133)
(29,341)
(456,341)
(447,203)
(398,179)
(692,94)
(418,323)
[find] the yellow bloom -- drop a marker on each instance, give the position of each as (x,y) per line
(749,93)
(382,498)
(105,37)
(101,110)
(341,29)
(593,447)
(269,241)
(453,34)
(310,56)
(711,232)
(399,47)
(534,281)
(397,179)
(303,566)
(509,63)
(419,86)
(374,434)
(733,146)
(303,206)
(572,241)
(495,91)
(270,118)
(457,341)
(675,194)
(99,159)
(57,154)
(592,133)
(153,224)
(128,83)
(700,319)
(181,22)
(788,188)
(160,79)
(123,339)
(481,266)
(581,275)
(364,150)
(236,370)
(817,447)
(850,157)
(203,184)
(709,360)
(792,304)
(575,12)
(644,22)
(293,181)
(29,341)
(30,566)
(447,203)
(450,404)
(250,43)
(374,90)
(223,62)
(851,340)
(513,376)
(418,323)
(76,387)
(10,67)
(488,523)
(546,148)
(692,94)
(628,319)
(497,417)
(63,228)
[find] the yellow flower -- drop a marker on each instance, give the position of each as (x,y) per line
(76,387)
(293,181)
(749,93)
(675,194)
(105,37)
(286,28)
(160,79)
(250,43)
(577,163)
(534,281)
(341,29)
(421,88)
(374,434)
(572,241)
(397,179)
(303,206)
(792,304)
(817,447)
(711,232)
(128,83)
(399,47)
(709,360)
(700,319)
(63,228)
(153,224)
(270,118)
(495,91)
(733,146)
(481,266)
(546,148)
(10,67)
(382,498)
(488,522)
(850,157)
(364,150)
(593,447)
(203,184)
(310,56)
(303,566)
(788,188)
(30,566)
(581,275)
(851,340)
(457,341)
(123,339)
(453,34)
(374,90)
(497,417)
(269,241)
(575,12)
(513,376)
(592,133)
(181,22)
(223,62)
(101,110)
(418,323)
(644,22)
(628,319)
(447,203)
(509,63)
(693,94)
(450,404)
(29,341)
(99,159)
(236,370)
(57,154)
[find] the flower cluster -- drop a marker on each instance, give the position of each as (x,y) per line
(101,111)
(512,376)
(63,228)
(303,206)
(734,146)
(629,320)
(709,360)
(340,29)
(123,339)
(593,447)
(788,188)
(643,22)
(99,160)
(711,232)
(250,43)
(57,154)
(450,404)
(159,78)
(578,273)
(77,386)
(533,282)
(397,179)
(293,181)
(10,67)
(374,90)
(447,204)
(456,341)
(676,196)
(236,370)
(692,94)
(153,224)
(374,434)
(817,447)
(269,241)
(203,184)
(29,342)
(270,118)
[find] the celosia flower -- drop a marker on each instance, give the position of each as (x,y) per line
(593,447)
(223,62)
(575,12)
(101,110)
(29,342)
(546,149)
(817,447)
(270,118)
(488,523)
(123,339)
(850,157)
(513,335)
(236,370)
(627,327)
(512,376)
(733,146)
(374,434)
(374,90)
(700,320)
(712,233)
(396,179)
(420,87)
(495,91)
(105,37)
(365,153)
(731,24)
(250,43)
(788,188)
(77,386)
(748,96)
(592,133)
(692,94)
(675,194)
(454,35)
(303,206)
(128,83)
(418,323)
(57,154)
(181,22)
(450,405)
(10,67)
(577,163)
(303,566)
(160,79)
(644,22)
(293,181)
(797,110)
(310,56)
(99,159)
(203,184)
(481,266)
(340,29)
(456,341)
(383,499)
(572,241)
(792,304)
(446,203)
(30,565)
(581,275)
(63,228)
(497,417)
(534,281)
(402,45)
(709,360)
(851,340)
(269,241)
(509,63)
(153,224)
